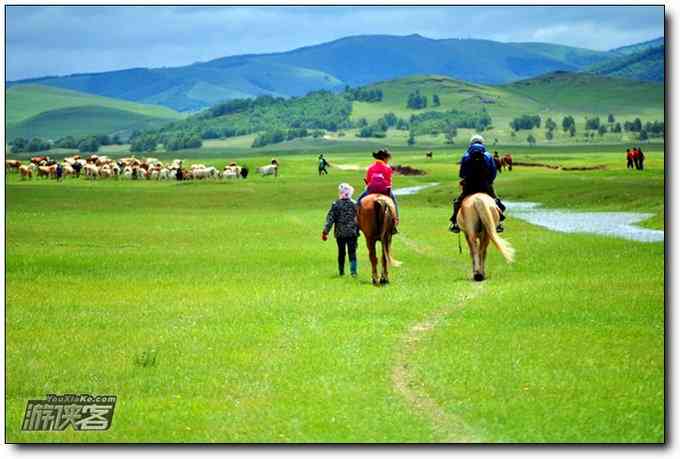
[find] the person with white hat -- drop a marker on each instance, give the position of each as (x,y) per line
(343,214)
(477,171)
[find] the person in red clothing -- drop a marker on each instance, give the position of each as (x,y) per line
(379,178)
(641,159)
(636,158)
(629,158)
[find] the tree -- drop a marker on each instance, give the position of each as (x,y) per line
(451,133)
(144,142)
(88,145)
(435,101)
(66,142)
(602,130)
(617,127)
(637,125)
(572,130)
(18,145)
(391,119)
(526,122)
(416,101)
(550,124)
(549,134)
(568,122)
(411,138)
(593,124)
(611,119)
(531,140)
(381,124)
(644,135)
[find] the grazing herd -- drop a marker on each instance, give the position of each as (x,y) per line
(95,167)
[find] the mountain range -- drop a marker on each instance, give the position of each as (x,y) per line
(354,61)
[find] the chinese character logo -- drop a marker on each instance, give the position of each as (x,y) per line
(80,412)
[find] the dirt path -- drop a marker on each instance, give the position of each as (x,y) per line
(404,378)
(448,427)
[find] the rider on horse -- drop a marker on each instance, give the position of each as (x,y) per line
(478,171)
(379,179)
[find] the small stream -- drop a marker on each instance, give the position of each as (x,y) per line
(616,224)
(413,189)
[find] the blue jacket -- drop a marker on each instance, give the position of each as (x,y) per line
(466,165)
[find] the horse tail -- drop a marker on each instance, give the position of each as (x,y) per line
(379,213)
(501,244)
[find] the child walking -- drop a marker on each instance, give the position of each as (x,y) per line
(343,214)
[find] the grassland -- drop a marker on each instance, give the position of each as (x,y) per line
(259,340)
(42,111)
(554,95)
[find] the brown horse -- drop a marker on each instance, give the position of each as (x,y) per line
(375,216)
(506,161)
(478,217)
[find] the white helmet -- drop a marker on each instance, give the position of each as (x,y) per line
(476,139)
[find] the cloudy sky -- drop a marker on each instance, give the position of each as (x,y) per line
(62,40)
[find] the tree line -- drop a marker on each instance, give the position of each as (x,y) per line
(363,94)
(592,126)
(84,144)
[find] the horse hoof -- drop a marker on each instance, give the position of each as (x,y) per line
(375,282)
(479,277)
(384,281)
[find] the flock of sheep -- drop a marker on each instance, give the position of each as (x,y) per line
(132,168)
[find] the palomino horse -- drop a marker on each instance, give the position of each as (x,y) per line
(376,220)
(478,217)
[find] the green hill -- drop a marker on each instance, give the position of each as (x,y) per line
(453,94)
(584,93)
(560,92)
(647,64)
(80,121)
(354,61)
(637,47)
(42,111)
(339,119)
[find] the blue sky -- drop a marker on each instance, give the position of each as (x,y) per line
(62,40)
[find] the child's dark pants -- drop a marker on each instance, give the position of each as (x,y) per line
(347,244)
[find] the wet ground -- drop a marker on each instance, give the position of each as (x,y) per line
(616,224)
(413,189)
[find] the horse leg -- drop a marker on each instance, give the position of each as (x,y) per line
(483,245)
(384,279)
(474,254)
(374,260)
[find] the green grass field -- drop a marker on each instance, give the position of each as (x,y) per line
(42,111)
(259,340)
(554,95)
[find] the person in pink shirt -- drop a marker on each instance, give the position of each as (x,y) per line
(379,178)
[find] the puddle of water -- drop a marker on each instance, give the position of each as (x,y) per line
(347,167)
(413,189)
(616,224)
